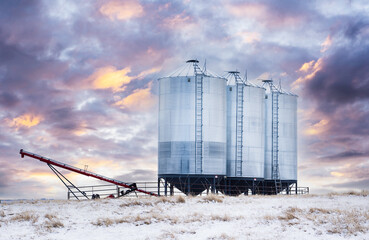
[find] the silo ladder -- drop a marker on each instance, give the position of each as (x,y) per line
(199,124)
(239,129)
(275,136)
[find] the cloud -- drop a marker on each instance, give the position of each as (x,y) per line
(335,88)
(272,14)
(26,120)
(138,175)
(88,72)
(307,66)
(351,155)
(343,78)
(139,100)
(318,128)
(356,28)
(326,44)
(122,10)
(310,69)
(178,21)
(81,130)
(250,37)
(110,78)
(8,100)
(362,185)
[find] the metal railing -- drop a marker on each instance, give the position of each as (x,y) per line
(107,190)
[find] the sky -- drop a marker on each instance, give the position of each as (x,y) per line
(78,82)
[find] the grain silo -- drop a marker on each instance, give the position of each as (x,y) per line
(192,129)
(281,139)
(245,134)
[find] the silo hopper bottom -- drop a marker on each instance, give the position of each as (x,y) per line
(191,184)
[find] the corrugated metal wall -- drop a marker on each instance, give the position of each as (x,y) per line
(177,125)
(287,154)
(253,132)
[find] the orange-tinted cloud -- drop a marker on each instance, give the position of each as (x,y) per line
(307,66)
(151,70)
(122,10)
(139,100)
(250,37)
(81,130)
(337,174)
(178,21)
(309,69)
(27,120)
(39,174)
(326,44)
(248,9)
(318,128)
(110,78)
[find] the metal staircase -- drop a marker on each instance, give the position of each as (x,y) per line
(199,117)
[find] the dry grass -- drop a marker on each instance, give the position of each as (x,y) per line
(348,222)
(269,217)
(2,213)
(167,235)
(224,218)
(290,214)
(52,222)
(135,202)
(212,198)
(104,222)
(25,217)
(55,223)
(320,210)
(363,193)
(157,217)
(171,200)
(50,216)
(172,234)
(164,200)
(223,236)
(180,199)
(336,221)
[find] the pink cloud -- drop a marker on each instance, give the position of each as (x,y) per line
(122,10)
(139,101)
(264,14)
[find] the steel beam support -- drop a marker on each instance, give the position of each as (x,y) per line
(58,174)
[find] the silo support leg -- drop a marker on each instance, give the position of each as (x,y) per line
(158,186)
(296,188)
(166,187)
(171,187)
(188,186)
(213,187)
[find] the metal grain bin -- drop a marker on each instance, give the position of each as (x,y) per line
(192,124)
(245,128)
(281,135)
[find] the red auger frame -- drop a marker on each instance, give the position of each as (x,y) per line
(131,186)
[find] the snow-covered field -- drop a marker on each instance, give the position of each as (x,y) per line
(207,217)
